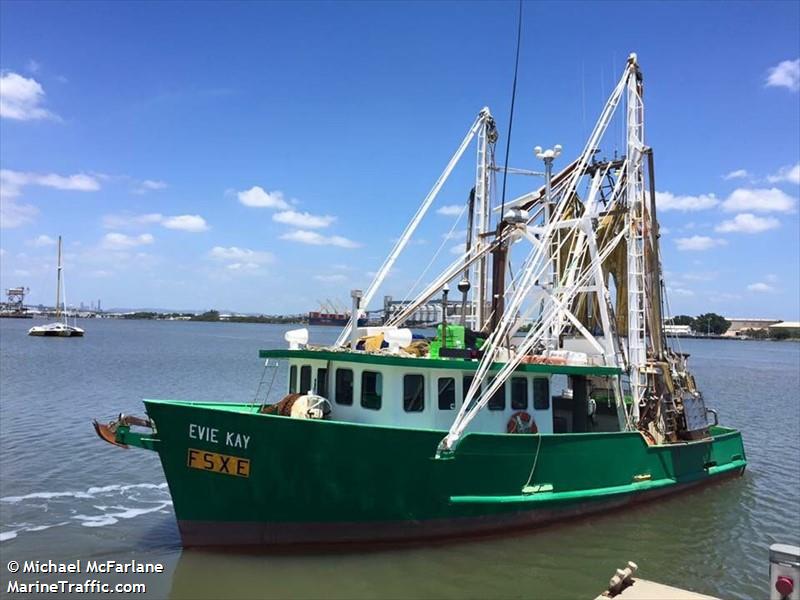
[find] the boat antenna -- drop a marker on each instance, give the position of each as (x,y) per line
(511,112)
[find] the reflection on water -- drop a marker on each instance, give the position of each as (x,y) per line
(65,495)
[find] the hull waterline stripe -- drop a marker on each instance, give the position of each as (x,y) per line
(642,486)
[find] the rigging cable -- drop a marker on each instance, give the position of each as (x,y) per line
(447,237)
(511,113)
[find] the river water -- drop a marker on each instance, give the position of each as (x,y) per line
(65,495)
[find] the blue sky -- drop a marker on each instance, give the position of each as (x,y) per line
(260,156)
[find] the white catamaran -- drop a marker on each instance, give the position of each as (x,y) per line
(61,328)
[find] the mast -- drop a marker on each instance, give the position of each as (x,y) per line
(634,231)
(656,309)
(563,227)
(499,266)
(548,156)
(464,285)
(486,132)
(58,284)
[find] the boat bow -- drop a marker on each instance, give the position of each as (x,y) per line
(118,432)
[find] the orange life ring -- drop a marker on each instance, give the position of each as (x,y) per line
(521,422)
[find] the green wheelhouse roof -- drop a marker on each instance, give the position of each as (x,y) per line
(433,363)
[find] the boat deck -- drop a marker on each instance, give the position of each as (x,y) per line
(433,363)
(642,589)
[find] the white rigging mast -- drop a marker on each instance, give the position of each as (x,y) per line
(565,229)
(635,237)
(482,221)
(562,284)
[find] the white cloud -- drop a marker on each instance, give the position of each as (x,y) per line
(760,287)
(330,278)
(32,66)
(455,235)
(21,98)
(80,182)
(149,185)
(413,242)
(785,74)
(303,219)
(249,266)
(315,239)
(450,210)
(192,223)
(666,201)
(15,214)
(680,291)
(737,174)
(120,241)
(704,276)
(241,259)
(12,182)
(747,223)
(458,249)
(719,296)
(128,220)
(698,242)
(41,241)
(260,198)
(788,174)
(759,200)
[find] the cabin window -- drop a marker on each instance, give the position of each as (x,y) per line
(447,393)
(371,389)
(322,382)
(344,386)
(413,393)
(466,383)
(305,379)
(541,393)
(293,379)
(498,399)
(519,393)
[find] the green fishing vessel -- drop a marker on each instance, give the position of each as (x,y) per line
(547,392)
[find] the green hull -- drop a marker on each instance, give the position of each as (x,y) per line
(331,482)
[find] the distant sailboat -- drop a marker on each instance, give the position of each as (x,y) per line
(60,328)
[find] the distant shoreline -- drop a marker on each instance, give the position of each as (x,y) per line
(215,317)
(733,338)
(301,320)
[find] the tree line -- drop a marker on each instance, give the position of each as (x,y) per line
(213,316)
(708,323)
